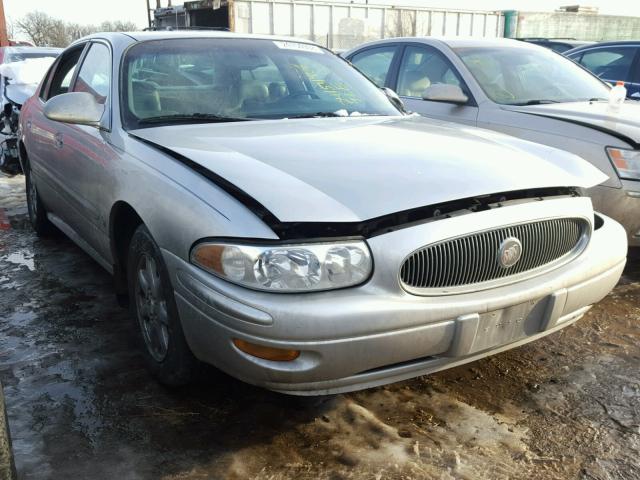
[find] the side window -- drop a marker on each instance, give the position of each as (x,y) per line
(63,73)
(422,67)
(375,63)
(45,82)
(609,63)
(95,73)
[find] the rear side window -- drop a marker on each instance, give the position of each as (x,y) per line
(64,71)
(612,64)
(375,63)
(95,73)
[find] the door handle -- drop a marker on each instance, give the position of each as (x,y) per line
(58,140)
(28,124)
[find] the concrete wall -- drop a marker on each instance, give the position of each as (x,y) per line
(577,25)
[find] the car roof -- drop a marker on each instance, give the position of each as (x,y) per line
(454,42)
(467,42)
(173,34)
(616,43)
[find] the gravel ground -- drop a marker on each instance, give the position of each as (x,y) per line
(81,405)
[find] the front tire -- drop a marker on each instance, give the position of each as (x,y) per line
(37,212)
(153,306)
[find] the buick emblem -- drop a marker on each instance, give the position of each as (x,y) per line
(509,252)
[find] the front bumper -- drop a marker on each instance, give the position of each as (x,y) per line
(376,333)
(621,204)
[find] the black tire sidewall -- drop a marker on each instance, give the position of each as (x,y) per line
(178,365)
(39,221)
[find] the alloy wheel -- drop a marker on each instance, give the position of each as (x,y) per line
(152,308)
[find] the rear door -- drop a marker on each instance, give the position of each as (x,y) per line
(49,160)
(421,66)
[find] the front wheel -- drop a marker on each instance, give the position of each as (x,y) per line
(153,305)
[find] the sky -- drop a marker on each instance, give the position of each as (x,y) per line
(97,11)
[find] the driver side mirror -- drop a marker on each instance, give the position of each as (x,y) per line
(443,92)
(79,108)
(395,99)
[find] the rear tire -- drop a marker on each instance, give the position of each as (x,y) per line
(37,212)
(153,306)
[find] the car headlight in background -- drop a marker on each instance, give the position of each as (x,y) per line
(626,162)
(287,268)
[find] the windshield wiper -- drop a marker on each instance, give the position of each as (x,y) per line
(190,118)
(317,115)
(334,114)
(536,102)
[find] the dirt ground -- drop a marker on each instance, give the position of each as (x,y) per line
(82,406)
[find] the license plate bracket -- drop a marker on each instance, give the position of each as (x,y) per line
(509,324)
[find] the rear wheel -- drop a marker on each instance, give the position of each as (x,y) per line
(153,306)
(37,212)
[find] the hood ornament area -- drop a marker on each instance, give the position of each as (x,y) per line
(510,252)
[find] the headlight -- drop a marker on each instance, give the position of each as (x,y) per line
(287,268)
(626,162)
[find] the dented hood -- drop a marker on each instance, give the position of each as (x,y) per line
(355,169)
(623,122)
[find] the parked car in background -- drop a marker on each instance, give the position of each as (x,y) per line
(559,45)
(22,56)
(523,90)
(612,62)
(21,70)
(270,211)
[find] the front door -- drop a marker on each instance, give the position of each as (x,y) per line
(422,66)
(89,152)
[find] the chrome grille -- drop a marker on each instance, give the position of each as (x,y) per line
(473,259)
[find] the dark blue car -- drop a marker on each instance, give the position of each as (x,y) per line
(612,62)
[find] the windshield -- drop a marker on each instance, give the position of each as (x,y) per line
(520,76)
(184,80)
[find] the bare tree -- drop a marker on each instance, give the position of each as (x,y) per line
(11,29)
(75,31)
(117,26)
(44,30)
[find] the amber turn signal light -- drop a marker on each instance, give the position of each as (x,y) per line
(267,353)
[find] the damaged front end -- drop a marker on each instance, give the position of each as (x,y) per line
(9,121)
(20,79)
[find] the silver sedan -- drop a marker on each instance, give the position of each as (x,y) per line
(264,208)
(523,90)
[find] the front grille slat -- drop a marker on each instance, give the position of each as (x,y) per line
(473,259)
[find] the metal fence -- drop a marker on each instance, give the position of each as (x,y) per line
(339,25)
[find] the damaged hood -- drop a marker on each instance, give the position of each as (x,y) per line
(355,169)
(623,123)
(24,76)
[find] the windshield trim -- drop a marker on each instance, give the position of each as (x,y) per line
(269,38)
